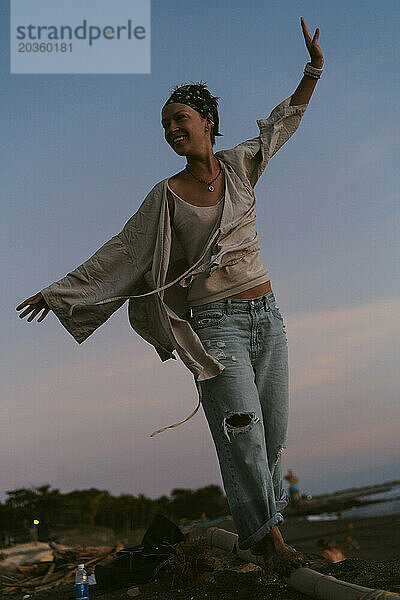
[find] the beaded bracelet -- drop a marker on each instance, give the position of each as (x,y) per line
(313,72)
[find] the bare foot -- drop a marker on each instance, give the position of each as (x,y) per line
(279,555)
(286,559)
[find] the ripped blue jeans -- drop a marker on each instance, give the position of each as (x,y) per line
(246,407)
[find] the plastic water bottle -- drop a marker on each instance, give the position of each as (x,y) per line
(81,583)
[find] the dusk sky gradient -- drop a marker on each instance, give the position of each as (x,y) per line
(80,152)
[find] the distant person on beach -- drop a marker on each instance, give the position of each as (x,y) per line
(330,551)
(189,262)
(294,492)
(352,543)
(34,533)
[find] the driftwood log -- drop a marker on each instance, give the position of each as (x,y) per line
(42,576)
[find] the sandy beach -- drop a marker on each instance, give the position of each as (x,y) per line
(375,564)
(370,545)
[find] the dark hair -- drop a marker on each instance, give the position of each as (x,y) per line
(211,100)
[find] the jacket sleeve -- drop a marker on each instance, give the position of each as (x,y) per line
(249,158)
(109,272)
(116,269)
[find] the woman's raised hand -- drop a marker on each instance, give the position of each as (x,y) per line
(35,304)
(317,58)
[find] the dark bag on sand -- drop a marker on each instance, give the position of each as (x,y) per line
(138,564)
(162,530)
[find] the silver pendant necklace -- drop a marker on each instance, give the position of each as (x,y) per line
(211,188)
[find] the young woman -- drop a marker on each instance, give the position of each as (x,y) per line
(189,262)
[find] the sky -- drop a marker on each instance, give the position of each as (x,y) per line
(80,152)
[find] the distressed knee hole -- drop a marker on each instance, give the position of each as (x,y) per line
(239,420)
(239,423)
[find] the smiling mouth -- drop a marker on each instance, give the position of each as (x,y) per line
(180,140)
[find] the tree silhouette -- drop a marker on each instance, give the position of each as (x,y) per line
(95,507)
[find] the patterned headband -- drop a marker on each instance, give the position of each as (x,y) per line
(193,97)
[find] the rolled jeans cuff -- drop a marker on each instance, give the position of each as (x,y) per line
(261,532)
(283,502)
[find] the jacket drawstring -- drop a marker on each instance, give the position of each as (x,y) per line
(159,289)
(187,418)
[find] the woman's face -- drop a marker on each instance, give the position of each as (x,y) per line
(185,129)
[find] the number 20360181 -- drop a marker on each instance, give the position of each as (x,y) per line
(43,47)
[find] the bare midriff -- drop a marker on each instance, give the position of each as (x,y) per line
(254,292)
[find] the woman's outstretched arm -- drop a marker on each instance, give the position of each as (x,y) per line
(306,86)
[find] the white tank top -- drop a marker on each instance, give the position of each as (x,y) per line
(195,224)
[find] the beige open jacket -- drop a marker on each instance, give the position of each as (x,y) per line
(146,264)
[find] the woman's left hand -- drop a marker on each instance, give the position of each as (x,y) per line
(317,58)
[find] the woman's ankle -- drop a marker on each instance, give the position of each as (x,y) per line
(273,540)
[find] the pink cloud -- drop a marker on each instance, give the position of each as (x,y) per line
(326,346)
